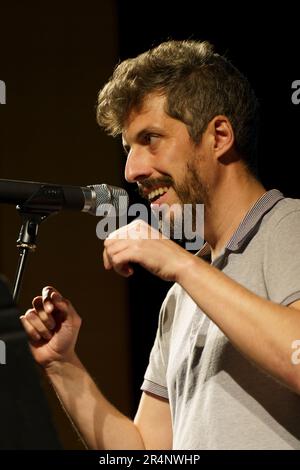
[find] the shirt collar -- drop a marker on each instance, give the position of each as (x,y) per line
(253,216)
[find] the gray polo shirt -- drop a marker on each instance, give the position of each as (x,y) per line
(218,399)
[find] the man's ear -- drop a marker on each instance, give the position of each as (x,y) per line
(223,135)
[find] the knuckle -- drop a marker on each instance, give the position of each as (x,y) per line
(108,251)
(138,245)
(77,321)
(27,312)
(43,316)
(114,258)
(30,314)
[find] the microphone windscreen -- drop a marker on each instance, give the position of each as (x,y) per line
(107,194)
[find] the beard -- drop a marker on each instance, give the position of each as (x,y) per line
(192,189)
(184,220)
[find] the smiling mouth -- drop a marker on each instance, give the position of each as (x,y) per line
(157,193)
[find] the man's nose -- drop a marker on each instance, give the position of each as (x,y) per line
(137,166)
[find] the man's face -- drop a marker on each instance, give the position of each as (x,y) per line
(162,159)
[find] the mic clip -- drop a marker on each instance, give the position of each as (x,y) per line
(48,199)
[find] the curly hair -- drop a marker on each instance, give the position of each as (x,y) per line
(198,84)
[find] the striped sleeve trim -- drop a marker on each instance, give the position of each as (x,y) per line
(291,298)
(154,388)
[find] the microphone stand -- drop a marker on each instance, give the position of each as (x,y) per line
(45,201)
(26,243)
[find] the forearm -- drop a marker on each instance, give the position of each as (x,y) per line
(262,330)
(98,422)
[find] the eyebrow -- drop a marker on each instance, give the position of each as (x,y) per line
(140,135)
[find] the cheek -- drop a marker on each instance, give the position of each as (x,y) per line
(179,171)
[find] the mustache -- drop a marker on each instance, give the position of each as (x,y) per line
(152,183)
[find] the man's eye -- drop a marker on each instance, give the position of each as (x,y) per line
(150,139)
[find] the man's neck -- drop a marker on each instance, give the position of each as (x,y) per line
(227,207)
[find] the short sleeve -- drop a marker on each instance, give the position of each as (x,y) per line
(155,380)
(282,260)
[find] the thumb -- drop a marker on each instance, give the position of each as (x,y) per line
(59,303)
(65,309)
(53,299)
(54,302)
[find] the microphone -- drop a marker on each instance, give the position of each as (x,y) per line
(48,197)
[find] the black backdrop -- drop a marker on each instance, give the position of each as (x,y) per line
(261,41)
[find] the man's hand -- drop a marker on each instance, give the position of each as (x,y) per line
(139,243)
(52,326)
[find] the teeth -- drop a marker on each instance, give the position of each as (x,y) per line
(157,192)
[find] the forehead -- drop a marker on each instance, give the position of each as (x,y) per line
(150,114)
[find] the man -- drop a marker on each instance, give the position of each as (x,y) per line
(221,372)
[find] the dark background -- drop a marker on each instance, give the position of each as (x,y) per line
(54,59)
